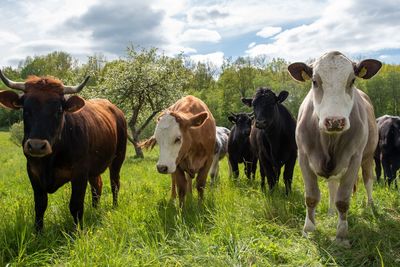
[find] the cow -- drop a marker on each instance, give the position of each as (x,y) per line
(336,133)
(220,150)
(239,147)
(388,149)
(67,139)
(273,136)
(185,133)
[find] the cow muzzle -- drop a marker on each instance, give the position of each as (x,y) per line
(261,124)
(37,148)
(334,124)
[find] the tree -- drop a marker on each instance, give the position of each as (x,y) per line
(57,64)
(143,84)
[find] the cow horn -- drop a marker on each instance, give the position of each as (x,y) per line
(13,85)
(75,89)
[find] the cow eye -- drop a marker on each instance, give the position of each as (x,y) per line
(177,140)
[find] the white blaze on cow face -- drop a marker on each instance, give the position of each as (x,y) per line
(169,138)
(333,78)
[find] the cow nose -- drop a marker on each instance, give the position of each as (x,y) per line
(335,124)
(260,124)
(162,169)
(37,147)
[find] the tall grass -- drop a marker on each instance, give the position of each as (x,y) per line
(236,225)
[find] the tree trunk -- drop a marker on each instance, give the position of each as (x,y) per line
(136,132)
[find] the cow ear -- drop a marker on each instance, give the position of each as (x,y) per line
(247,101)
(232,118)
(300,71)
(367,68)
(282,96)
(198,119)
(11,99)
(74,103)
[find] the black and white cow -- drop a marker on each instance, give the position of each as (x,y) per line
(220,150)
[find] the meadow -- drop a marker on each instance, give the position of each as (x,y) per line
(236,225)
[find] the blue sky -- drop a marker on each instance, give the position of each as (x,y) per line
(203,30)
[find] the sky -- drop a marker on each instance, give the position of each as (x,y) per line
(206,30)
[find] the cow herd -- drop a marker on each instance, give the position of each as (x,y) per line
(68,139)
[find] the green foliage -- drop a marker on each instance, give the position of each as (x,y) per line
(17,133)
(57,64)
(236,225)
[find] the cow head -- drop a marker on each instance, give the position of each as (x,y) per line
(333,77)
(44,104)
(243,124)
(173,137)
(265,106)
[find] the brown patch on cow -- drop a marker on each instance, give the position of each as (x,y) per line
(311,202)
(342,206)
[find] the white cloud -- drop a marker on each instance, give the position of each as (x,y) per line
(252,44)
(200,35)
(343,26)
(268,31)
(217,58)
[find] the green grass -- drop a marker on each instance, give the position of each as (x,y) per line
(236,225)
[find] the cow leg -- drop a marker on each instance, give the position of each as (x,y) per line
(333,187)
(378,168)
(76,204)
(271,174)
(40,197)
(386,170)
(235,167)
(214,168)
(115,177)
(248,169)
(343,199)
(288,174)
(201,180)
(312,193)
(173,186)
(96,185)
(254,168)
(181,184)
(368,178)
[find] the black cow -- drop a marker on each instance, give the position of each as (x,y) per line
(273,138)
(67,139)
(388,149)
(239,148)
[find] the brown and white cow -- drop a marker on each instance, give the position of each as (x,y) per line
(186,134)
(336,133)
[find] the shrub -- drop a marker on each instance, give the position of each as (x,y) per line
(17,133)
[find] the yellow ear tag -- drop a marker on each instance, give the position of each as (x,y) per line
(362,72)
(304,75)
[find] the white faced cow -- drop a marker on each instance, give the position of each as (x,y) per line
(336,133)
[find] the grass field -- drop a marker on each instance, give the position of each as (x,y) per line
(236,225)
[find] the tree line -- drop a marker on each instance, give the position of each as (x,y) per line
(145,81)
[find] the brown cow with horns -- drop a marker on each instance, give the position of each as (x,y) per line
(67,139)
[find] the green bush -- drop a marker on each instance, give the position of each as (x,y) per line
(17,133)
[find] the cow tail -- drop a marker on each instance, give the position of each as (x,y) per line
(149,143)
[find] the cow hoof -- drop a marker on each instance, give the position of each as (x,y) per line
(308,226)
(342,242)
